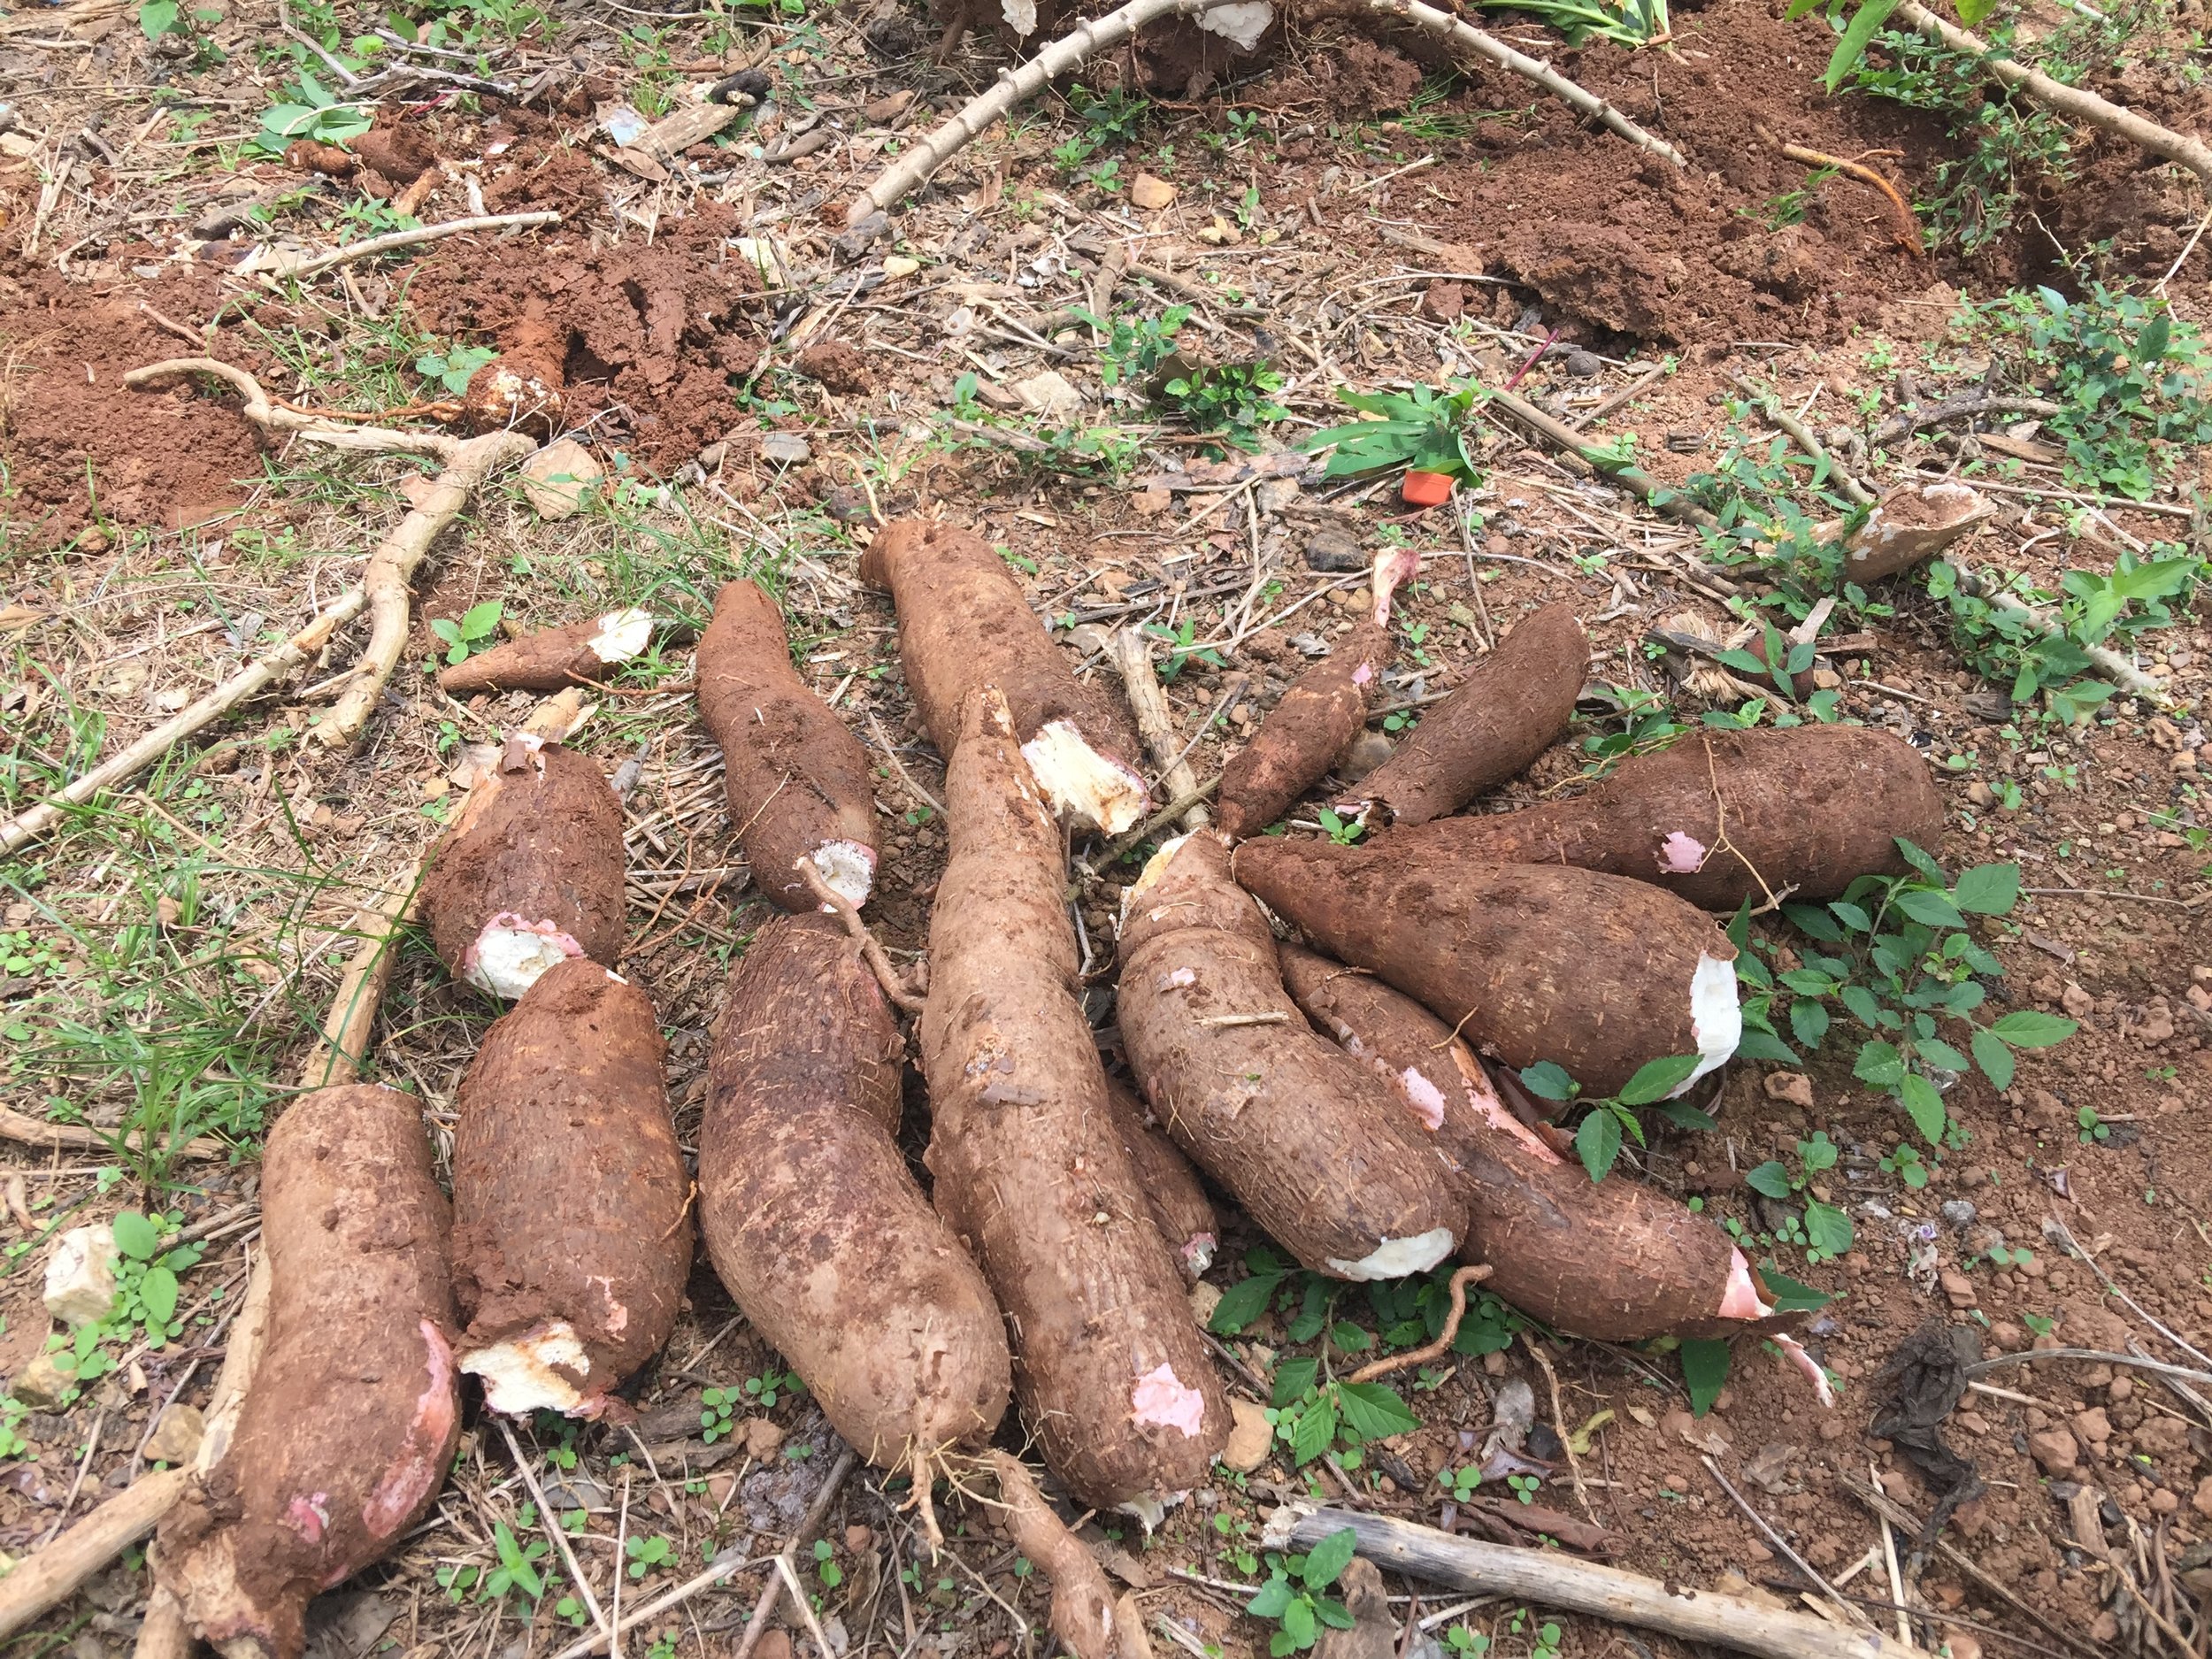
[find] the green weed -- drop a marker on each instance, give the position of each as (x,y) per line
(1295,1596)
(1608,1118)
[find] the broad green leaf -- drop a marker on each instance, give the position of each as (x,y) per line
(1806,982)
(1705,1370)
(1789,1295)
(1798,8)
(1327,1559)
(2027,1029)
(1827,1228)
(1994,1059)
(1858,34)
(1274,1596)
(1598,1143)
(1972,11)
(1924,1105)
(1739,926)
(1852,917)
(1658,1080)
(136,1237)
(1919,860)
(479,620)
(1292,1377)
(1936,1052)
(1769,1177)
(1242,1303)
(1333,1613)
(1314,1431)
(1815,923)
(2150,345)
(1878,1063)
(1549,1081)
(446,629)
(1988,889)
(1373,1411)
(157,18)
(1298,1623)
(1930,910)
(1685,1115)
(1765,1045)
(1809,1022)
(157,1290)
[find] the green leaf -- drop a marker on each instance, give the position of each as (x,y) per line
(1292,1377)
(1658,1080)
(157,1290)
(1988,889)
(1790,1295)
(1930,910)
(1809,1022)
(1705,1370)
(1761,1045)
(1808,982)
(1827,1228)
(1924,1104)
(2027,1029)
(1328,1559)
(1852,917)
(1333,1613)
(136,1237)
(1373,1411)
(157,18)
(1298,1623)
(1994,1059)
(1598,1143)
(446,629)
(2150,345)
(1878,1063)
(1814,922)
(1242,1303)
(1314,1432)
(1857,36)
(479,620)
(1919,860)
(1274,1596)
(1549,1081)
(1861,1002)
(1683,1115)
(1770,1179)
(1936,1052)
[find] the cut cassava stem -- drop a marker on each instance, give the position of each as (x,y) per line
(797,778)
(1305,1137)
(392,564)
(1131,654)
(915,165)
(814,1222)
(350,1423)
(1111,1373)
(571,1234)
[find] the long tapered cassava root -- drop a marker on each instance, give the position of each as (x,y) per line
(1561,1582)
(391,567)
(1090,1623)
(2071,102)
(914,167)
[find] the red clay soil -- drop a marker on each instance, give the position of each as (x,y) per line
(75,444)
(650,335)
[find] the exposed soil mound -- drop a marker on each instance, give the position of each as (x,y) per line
(651,335)
(77,446)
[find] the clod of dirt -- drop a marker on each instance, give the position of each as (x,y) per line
(1927,1377)
(401,153)
(1793,262)
(837,366)
(651,335)
(1601,274)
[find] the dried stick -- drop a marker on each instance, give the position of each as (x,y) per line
(2072,102)
(1797,1561)
(1461,1280)
(1131,655)
(1801,434)
(32,1132)
(1489,47)
(896,989)
(399,239)
(756,1626)
(35,822)
(1576,1587)
(337,1056)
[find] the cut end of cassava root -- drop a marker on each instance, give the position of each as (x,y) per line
(1082,782)
(847,868)
(533,1372)
(1394,1258)
(514,954)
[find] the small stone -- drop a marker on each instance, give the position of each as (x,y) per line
(80,1276)
(784,448)
(1276,494)
(176,1437)
(1957,1287)
(1368,751)
(1149,504)
(1443,301)
(2077,1002)
(1980,793)
(1204,1298)
(2057,1452)
(1251,1437)
(1149,193)
(849,245)
(1962,1645)
(1583,364)
(857,1537)
(762,1438)
(2093,1426)
(1973,1422)
(2201,1499)
(1957,1212)
(1048,392)
(1795,1087)
(899,265)
(2164,1502)
(560,478)
(1335,549)
(41,1386)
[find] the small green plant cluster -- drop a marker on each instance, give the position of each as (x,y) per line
(1110,119)
(454,368)
(771,1386)
(715,1407)
(1069,449)
(1625,22)
(644,1554)
(146,1292)
(311,112)
(1132,346)
(477,630)
(2005,645)
(1423,431)
(1769,517)
(1648,725)
(516,1573)
(1232,399)
(1598,1139)
(1897,954)
(1779,211)
(2132,381)
(1183,648)
(1295,1596)
(1826,1231)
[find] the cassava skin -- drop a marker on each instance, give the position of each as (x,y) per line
(1596,973)
(1107,1364)
(1302,737)
(964,623)
(798,779)
(349,1426)
(553,659)
(1813,807)
(813,1222)
(1512,706)
(532,873)
(1171,1188)
(1612,1260)
(1308,1140)
(572,1236)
